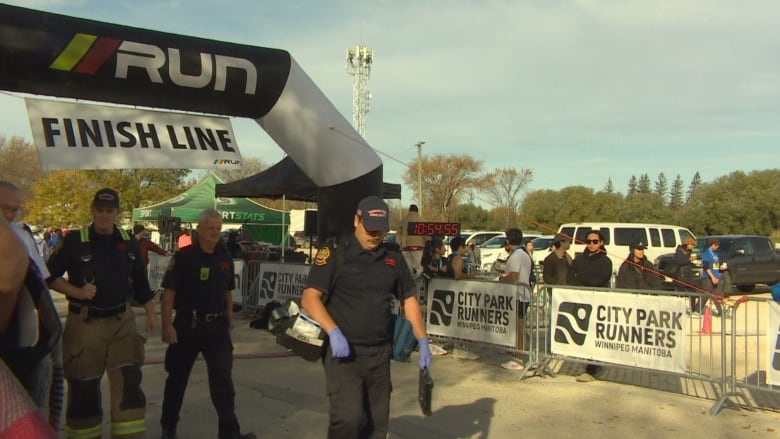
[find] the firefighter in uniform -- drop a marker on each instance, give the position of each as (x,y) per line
(198,285)
(105,276)
(361,276)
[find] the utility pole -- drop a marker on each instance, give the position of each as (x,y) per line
(419,176)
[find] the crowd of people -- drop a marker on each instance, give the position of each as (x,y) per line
(101,270)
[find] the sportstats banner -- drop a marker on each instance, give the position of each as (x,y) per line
(773,344)
(279,282)
(631,329)
(472,310)
(85,136)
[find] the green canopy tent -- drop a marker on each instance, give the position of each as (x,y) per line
(264,224)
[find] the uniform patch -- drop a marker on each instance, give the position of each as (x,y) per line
(390,262)
(204,273)
(322,256)
(121,246)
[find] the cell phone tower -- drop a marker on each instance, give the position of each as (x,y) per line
(359,61)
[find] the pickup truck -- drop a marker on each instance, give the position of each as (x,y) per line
(751,260)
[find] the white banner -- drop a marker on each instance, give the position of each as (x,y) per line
(630,329)
(89,136)
(158,265)
(773,344)
(473,310)
(280,282)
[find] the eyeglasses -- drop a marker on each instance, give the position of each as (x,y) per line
(593,241)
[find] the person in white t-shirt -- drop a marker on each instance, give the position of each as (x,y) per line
(518,270)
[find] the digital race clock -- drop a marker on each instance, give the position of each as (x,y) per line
(430,228)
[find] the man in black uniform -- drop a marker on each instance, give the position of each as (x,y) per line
(105,275)
(359,277)
(198,286)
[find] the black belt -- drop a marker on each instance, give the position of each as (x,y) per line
(95,312)
(209,317)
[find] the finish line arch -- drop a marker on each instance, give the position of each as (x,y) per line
(57,55)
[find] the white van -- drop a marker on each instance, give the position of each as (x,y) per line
(659,238)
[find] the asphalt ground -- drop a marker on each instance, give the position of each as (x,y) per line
(282,396)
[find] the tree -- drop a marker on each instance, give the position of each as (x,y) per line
(19,164)
(643,187)
(661,185)
(609,187)
(632,186)
(446,181)
(504,189)
(695,183)
(251,166)
(676,193)
(471,216)
(63,197)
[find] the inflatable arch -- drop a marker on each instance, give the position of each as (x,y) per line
(57,55)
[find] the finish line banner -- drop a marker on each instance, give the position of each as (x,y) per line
(629,329)
(88,136)
(473,310)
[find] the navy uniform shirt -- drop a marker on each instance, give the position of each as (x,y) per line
(200,279)
(365,285)
(113,261)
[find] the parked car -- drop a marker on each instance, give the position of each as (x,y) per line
(542,246)
(477,237)
(751,260)
(493,250)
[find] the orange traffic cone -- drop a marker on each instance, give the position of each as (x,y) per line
(706,324)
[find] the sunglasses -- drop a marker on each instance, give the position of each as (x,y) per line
(592,241)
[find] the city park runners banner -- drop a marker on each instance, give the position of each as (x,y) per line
(473,310)
(87,136)
(279,282)
(630,329)
(773,344)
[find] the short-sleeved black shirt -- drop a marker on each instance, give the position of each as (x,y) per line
(365,285)
(200,279)
(113,261)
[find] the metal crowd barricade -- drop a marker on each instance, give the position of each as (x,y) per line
(753,355)
(723,352)
(251,295)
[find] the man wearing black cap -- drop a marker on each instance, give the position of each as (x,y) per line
(351,286)
(637,273)
(105,276)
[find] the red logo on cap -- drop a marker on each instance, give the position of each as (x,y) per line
(379,213)
(106,197)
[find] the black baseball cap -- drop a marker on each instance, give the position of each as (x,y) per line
(374,213)
(639,245)
(106,198)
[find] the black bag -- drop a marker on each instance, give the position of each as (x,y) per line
(425,391)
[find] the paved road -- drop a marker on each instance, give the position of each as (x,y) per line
(279,396)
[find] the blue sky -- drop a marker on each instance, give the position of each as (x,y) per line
(577,91)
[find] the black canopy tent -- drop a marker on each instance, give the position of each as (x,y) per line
(285,180)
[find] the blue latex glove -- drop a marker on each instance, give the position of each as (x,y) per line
(338,343)
(425,353)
